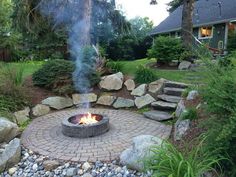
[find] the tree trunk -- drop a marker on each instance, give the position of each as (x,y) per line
(86,12)
(187,23)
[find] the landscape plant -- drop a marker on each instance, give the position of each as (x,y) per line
(168,161)
(144,75)
(166,49)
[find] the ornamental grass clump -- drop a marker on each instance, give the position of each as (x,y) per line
(168,161)
(144,75)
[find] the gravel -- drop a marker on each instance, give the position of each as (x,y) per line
(31,165)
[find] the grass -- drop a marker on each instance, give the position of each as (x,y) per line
(130,67)
(28,67)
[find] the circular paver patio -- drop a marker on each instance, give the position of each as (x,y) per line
(44,135)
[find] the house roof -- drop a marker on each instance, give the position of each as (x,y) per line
(206,12)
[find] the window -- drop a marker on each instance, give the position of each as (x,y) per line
(205,32)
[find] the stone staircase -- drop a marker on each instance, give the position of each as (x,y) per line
(166,104)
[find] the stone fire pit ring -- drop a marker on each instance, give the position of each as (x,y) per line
(85,131)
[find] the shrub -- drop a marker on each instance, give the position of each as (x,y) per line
(219,92)
(188,56)
(115,66)
(190,113)
(13,94)
(167,160)
(54,74)
(166,49)
(144,75)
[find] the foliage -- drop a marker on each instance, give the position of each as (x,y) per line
(190,113)
(219,92)
(165,49)
(188,56)
(231,42)
(144,75)
(13,94)
(174,4)
(54,74)
(131,45)
(167,160)
(115,66)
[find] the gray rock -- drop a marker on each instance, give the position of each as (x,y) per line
(40,110)
(12,170)
(86,166)
(11,155)
(180,108)
(106,100)
(158,115)
(87,175)
(130,84)
(184,65)
(176,84)
(140,90)
(169,98)
(112,82)
(143,101)
(58,102)
(8,130)
(71,172)
(50,164)
(140,149)
(84,98)
(162,105)
(22,116)
(181,127)
(173,91)
(192,95)
(156,86)
(123,103)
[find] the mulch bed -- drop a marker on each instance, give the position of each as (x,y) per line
(36,94)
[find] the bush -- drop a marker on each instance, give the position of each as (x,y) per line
(13,94)
(115,66)
(219,92)
(166,49)
(188,56)
(167,160)
(54,74)
(144,75)
(190,113)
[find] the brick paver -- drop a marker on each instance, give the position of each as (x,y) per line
(44,135)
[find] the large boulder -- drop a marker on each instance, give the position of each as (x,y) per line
(184,65)
(130,84)
(84,98)
(123,103)
(143,101)
(11,154)
(156,86)
(133,157)
(8,130)
(181,127)
(58,102)
(106,100)
(40,110)
(112,82)
(22,116)
(140,90)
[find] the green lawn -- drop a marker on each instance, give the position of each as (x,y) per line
(130,67)
(28,67)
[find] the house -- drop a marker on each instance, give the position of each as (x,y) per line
(213,21)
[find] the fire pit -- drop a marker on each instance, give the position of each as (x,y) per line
(85,125)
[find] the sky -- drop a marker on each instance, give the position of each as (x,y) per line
(142,8)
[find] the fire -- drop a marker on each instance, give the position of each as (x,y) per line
(88,119)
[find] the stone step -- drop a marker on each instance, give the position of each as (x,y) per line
(176,84)
(158,115)
(162,105)
(169,98)
(173,91)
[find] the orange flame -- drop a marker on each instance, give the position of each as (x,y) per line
(88,119)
